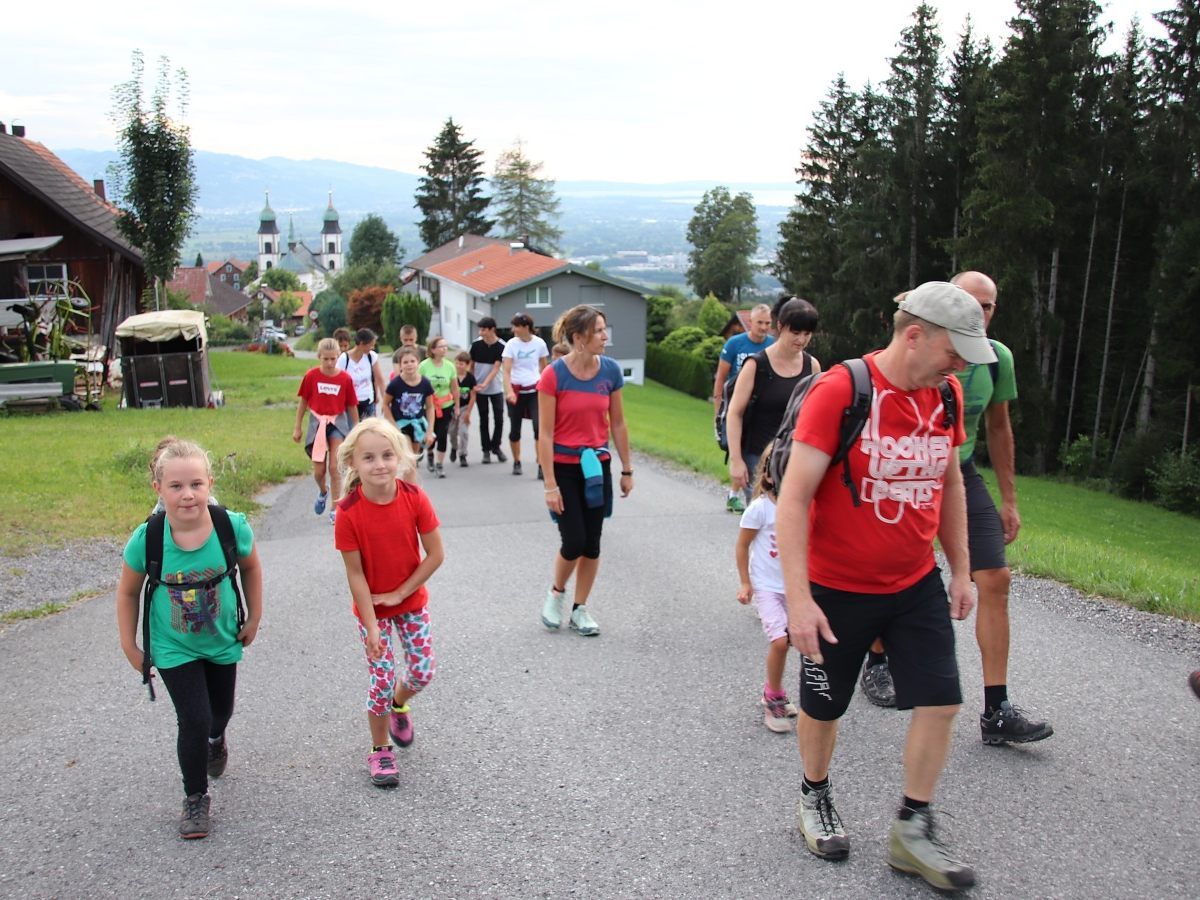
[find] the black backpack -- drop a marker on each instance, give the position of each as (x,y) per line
(155,529)
(854,417)
(761,378)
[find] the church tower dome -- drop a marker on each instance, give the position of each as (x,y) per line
(268,238)
(331,239)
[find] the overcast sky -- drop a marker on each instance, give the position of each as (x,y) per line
(621,90)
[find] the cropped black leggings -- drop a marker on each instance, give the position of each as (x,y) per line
(441,429)
(202,692)
(579,525)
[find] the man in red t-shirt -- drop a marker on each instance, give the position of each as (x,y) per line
(856,571)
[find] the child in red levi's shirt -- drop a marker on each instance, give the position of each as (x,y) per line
(328,393)
(380,522)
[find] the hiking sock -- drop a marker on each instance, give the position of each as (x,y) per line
(911,806)
(807,787)
(875,659)
(376,749)
(575,606)
(993,696)
(558,590)
(398,708)
(217,741)
(773,695)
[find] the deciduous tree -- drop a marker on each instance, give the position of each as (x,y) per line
(724,235)
(373,241)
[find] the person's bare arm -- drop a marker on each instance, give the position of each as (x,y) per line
(735,420)
(741,555)
(250,570)
(1002,452)
(620,433)
(952,535)
(362,600)
(719,384)
(129,590)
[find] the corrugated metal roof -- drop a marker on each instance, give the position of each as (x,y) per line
(32,166)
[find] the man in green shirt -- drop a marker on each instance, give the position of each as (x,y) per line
(988,388)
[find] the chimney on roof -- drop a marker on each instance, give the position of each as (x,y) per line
(515,247)
(18,131)
(98,187)
(3,129)
(460,241)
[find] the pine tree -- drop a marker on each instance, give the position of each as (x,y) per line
(915,114)
(449,195)
(525,203)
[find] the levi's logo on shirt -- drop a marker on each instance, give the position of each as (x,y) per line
(324,387)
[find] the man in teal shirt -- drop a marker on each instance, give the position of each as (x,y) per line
(988,388)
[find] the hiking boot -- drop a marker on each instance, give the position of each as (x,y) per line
(382,764)
(775,714)
(440,470)
(912,847)
(453,454)
(552,609)
(487,458)
(194,821)
(429,464)
(319,503)
(821,825)
(218,758)
(877,684)
(1010,725)
(400,726)
(462,461)
(516,467)
(582,621)
(734,504)
(500,457)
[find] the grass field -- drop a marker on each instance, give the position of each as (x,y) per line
(1101,544)
(72,476)
(75,476)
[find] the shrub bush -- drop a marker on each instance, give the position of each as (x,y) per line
(713,315)
(684,340)
(709,350)
(1132,470)
(1176,479)
(331,311)
(224,330)
(681,371)
(1078,462)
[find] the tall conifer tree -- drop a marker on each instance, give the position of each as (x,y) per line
(450,194)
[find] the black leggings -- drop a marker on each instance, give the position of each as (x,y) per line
(516,413)
(202,692)
(490,442)
(580,525)
(441,428)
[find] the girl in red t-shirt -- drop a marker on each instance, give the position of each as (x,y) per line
(380,522)
(328,393)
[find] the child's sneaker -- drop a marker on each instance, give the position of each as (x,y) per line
(500,457)
(333,516)
(487,458)
(429,463)
(462,461)
(319,503)
(440,470)
(382,764)
(400,725)
(218,757)
(453,454)
(552,609)
(775,714)
(193,823)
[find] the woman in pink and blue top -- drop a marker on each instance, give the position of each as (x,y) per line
(579,405)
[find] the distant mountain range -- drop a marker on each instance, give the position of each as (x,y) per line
(599,218)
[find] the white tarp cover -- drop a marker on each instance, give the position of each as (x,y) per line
(166,325)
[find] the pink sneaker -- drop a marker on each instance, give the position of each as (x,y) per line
(400,726)
(382,764)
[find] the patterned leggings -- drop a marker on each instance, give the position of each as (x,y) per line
(411,631)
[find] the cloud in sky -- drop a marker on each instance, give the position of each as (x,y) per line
(619,90)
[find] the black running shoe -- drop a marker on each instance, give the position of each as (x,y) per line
(500,457)
(1010,725)
(877,684)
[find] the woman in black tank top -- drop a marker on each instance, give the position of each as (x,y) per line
(764,387)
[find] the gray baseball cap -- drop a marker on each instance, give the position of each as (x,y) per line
(949,306)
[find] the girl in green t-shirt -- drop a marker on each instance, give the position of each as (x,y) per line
(194,635)
(444,377)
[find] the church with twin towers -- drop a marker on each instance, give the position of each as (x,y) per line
(312,267)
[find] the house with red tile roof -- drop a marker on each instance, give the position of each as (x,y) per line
(41,196)
(205,287)
(500,279)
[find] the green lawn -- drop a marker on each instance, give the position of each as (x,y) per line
(70,476)
(1101,544)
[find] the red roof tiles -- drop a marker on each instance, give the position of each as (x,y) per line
(491,269)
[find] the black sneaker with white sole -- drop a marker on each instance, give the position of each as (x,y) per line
(877,684)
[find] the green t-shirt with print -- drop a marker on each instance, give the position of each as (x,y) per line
(440,378)
(186,625)
(979,392)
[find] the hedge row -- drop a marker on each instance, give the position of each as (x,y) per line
(681,371)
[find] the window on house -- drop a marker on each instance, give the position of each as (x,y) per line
(229,268)
(222,278)
(537,296)
(47,279)
(608,336)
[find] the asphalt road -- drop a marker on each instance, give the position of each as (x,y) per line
(633,764)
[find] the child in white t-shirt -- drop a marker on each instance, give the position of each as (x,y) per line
(757,555)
